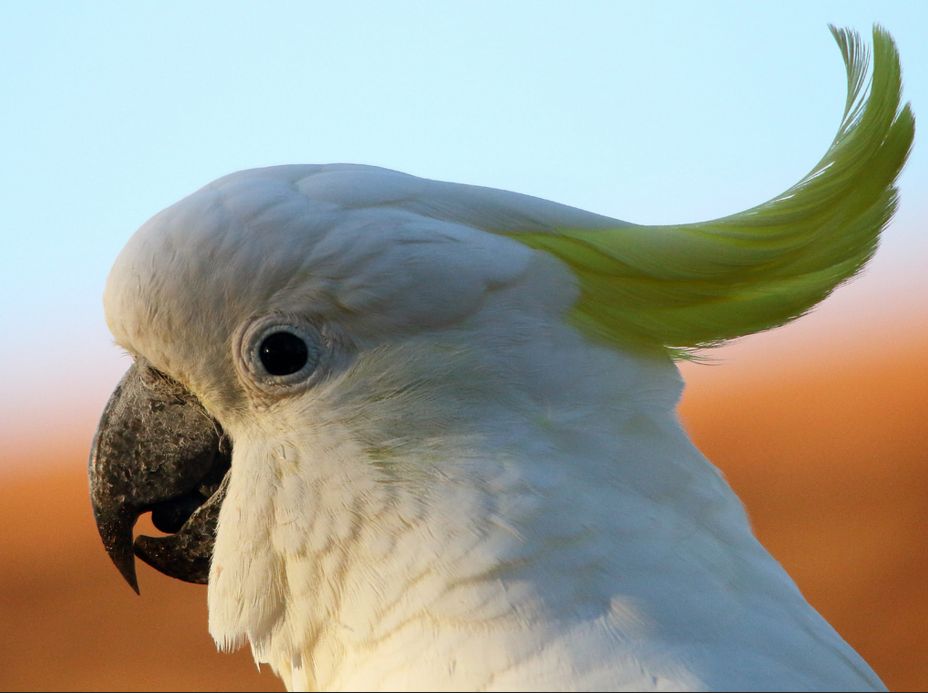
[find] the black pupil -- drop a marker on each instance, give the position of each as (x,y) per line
(283,353)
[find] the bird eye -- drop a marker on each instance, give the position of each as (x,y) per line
(283,353)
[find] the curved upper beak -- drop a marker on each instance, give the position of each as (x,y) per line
(156,449)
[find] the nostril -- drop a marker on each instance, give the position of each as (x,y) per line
(171,515)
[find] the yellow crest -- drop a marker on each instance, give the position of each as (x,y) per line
(691,286)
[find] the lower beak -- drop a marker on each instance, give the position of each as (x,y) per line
(156,449)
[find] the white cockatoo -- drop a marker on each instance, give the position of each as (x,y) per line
(419,435)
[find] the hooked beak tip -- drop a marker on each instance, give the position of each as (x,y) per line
(130,577)
(116,532)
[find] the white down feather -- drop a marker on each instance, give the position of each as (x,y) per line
(472,495)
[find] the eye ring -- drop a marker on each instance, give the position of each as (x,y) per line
(280,352)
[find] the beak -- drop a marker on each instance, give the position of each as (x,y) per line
(156,449)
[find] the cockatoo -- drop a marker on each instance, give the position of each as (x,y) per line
(419,435)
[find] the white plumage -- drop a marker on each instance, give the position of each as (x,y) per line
(469,486)
(473,495)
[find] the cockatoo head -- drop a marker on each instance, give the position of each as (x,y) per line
(372,307)
(331,358)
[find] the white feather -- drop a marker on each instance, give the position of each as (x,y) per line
(474,496)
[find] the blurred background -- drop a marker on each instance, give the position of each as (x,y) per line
(650,112)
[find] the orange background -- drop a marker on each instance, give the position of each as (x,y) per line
(828,452)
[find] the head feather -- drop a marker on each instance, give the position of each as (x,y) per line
(691,286)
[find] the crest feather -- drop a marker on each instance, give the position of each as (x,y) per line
(692,286)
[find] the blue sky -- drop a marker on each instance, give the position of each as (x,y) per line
(650,112)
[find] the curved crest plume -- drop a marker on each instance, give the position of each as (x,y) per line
(691,286)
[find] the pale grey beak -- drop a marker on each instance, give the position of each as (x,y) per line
(156,449)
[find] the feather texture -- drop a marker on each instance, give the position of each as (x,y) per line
(467,493)
(696,285)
